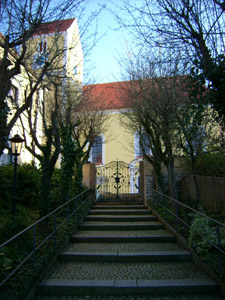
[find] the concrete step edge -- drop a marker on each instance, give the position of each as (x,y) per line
(105,227)
(116,218)
(153,256)
(127,287)
(118,239)
(128,207)
(119,212)
(118,203)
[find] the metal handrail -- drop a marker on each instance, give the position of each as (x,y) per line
(190,208)
(85,194)
(178,204)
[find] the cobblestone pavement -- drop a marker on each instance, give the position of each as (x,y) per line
(125,271)
(117,233)
(132,297)
(122,247)
(105,215)
(121,223)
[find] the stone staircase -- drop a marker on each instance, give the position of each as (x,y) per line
(121,251)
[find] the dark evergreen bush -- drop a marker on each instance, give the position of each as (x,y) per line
(28,185)
(209,164)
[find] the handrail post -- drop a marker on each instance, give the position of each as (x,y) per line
(192,217)
(75,206)
(34,249)
(219,243)
(177,215)
(55,230)
(165,203)
(67,211)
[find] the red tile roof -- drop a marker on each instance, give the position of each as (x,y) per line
(118,95)
(107,96)
(55,26)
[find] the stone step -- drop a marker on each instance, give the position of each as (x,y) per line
(119,212)
(72,270)
(159,256)
(122,239)
(115,218)
(119,226)
(121,233)
(118,203)
(126,287)
(115,207)
(121,251)
(133,297)
(123,247)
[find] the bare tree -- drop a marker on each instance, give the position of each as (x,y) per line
(153,101)
(21,21)
(199,132)
(80,121)
(70,122)
(48,144)
(194,29)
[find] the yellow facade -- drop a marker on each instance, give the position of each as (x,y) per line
(20,86)
(61,48)
(119,143)
(115,141)
(59,44)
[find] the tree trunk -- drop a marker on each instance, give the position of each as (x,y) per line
(69,153)
(195,177)
(48,162)
(158,176)
(172,179)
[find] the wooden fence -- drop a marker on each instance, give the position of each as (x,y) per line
(212,192)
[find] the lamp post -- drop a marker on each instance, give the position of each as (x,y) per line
(16,145)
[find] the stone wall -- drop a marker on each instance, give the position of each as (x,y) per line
(180,174)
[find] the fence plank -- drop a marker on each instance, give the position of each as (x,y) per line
(212,191)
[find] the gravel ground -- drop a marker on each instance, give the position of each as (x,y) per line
(122,247)
(132,297)
(117,271)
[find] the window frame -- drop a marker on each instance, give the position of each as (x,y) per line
(103,151)
(137,147)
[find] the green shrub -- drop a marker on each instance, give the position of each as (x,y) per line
(22,281)
(12,227)
(28,185)
(209,164)
(56,199)
(6,185)
(201,226)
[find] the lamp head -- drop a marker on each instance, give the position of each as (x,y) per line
(16,144)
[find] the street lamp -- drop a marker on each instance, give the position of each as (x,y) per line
(16,145)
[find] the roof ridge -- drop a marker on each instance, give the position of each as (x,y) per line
(54,26)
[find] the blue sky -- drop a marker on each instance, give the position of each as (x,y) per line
(105,55)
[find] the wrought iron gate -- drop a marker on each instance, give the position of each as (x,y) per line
(117,181)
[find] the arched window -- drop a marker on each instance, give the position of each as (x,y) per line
(144,140)
(97,150)
(145,144)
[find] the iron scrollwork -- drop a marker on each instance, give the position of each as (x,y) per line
(117,180)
